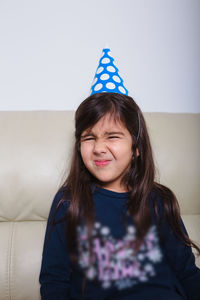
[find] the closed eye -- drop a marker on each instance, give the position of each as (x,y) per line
(88,139)
(113,137)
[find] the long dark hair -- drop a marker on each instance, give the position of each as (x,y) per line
(139,178)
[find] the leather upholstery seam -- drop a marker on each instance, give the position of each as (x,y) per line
(10,259)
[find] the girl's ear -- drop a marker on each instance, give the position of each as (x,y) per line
(137,152)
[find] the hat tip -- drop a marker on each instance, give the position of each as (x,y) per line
(106,46)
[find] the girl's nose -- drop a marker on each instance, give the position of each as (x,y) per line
(99,147)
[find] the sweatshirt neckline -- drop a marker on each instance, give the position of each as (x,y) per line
(112,194)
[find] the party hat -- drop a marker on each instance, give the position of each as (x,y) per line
(107,78)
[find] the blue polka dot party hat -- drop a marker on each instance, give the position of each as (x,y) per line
(107,78)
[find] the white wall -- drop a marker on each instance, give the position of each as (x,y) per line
(49,51)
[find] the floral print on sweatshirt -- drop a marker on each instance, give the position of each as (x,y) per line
(114,261)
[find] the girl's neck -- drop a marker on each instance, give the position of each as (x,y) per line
(117,189)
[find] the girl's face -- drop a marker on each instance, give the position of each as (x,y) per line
(106,150)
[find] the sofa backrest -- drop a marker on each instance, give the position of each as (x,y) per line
(35,153)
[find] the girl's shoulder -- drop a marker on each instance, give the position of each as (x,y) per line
(62,195)
(162,196)
(59,205)
(163,202)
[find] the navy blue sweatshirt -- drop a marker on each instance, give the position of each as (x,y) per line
(161,269)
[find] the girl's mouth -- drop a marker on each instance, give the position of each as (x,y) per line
(102,162)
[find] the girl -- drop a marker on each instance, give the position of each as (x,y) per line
(113,232)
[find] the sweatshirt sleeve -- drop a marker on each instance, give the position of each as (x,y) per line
(55,270)
(181,260)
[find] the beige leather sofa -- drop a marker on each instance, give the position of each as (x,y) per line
(35,150)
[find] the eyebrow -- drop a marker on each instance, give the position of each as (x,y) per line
(106,133)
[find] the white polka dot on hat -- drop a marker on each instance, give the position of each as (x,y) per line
(107,78)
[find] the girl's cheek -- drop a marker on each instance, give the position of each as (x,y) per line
(115,147)
(82,150)
(86,149)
